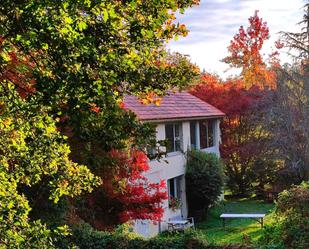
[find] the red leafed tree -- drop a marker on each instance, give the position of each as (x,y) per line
(242,139)
(125,193)
(245,53)
(16,69)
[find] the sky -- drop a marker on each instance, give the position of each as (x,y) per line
(213,23)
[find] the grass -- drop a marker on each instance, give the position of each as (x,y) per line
(236,231)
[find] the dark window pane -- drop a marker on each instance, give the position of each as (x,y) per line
(203,134)
(177,137)
(177,130)
(169,136)
(177,145)
(193,134)
(178,181)
(171,186)
(210,133)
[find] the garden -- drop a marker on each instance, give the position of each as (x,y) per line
(73,158)
(236,231)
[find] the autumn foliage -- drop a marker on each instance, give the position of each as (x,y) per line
(245,53)
(16,69)
(125,193)
(242,141)
(245,101)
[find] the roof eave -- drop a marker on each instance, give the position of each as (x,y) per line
(163,120)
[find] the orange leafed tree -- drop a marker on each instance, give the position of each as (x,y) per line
(243,142)
(245,53)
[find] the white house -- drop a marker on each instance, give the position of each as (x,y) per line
(186,122)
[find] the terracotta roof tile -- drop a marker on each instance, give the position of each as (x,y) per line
(180,105)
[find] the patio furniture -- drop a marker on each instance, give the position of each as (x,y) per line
(257,217)
(180,224)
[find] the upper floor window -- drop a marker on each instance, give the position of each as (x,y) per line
(173,135)
(193,137)
(206,133)
(202,134)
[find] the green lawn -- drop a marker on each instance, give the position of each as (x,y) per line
(236,231)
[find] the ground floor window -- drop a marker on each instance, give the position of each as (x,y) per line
(174,192)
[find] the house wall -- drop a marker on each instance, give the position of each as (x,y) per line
(169,167)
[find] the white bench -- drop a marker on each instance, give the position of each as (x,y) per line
(258,217)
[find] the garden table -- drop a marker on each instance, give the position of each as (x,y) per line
(180,225)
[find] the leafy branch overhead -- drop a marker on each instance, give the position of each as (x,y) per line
(64,69)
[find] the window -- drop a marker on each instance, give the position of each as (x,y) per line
(193,135)
(173,185)
(174,193)
(173,134)
(206,133)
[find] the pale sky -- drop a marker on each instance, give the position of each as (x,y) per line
(213,24)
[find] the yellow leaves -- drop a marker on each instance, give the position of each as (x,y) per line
(63,184)
(5,122)
(64,30)
(5,56)
(157,101)
(44,46)
(68,20)
(77,66)
(4,163)
(82,25)
(182,29)
(150,98)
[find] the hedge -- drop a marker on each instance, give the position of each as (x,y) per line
(87,238)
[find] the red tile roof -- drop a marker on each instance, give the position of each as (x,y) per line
(180,105)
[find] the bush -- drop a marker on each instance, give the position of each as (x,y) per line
(290,228)
(85,237)
(204,180)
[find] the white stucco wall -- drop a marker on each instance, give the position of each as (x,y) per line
(169,167)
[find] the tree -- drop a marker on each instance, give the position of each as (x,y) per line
(288,123)
(125,193)
(245,100)
(243,139)
(204,180)
(299,42)
(32,153)
(289,115)
(290,226)
(245,54)
(86,56)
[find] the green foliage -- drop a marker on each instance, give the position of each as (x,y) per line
(32,152)
(264,173)
(16,231)
(204,179)
(85,56)
(290,228)
(94,52)
(33,149)
(85,237)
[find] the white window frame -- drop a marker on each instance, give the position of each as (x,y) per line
(197,133)
(175,138)
(177,182)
